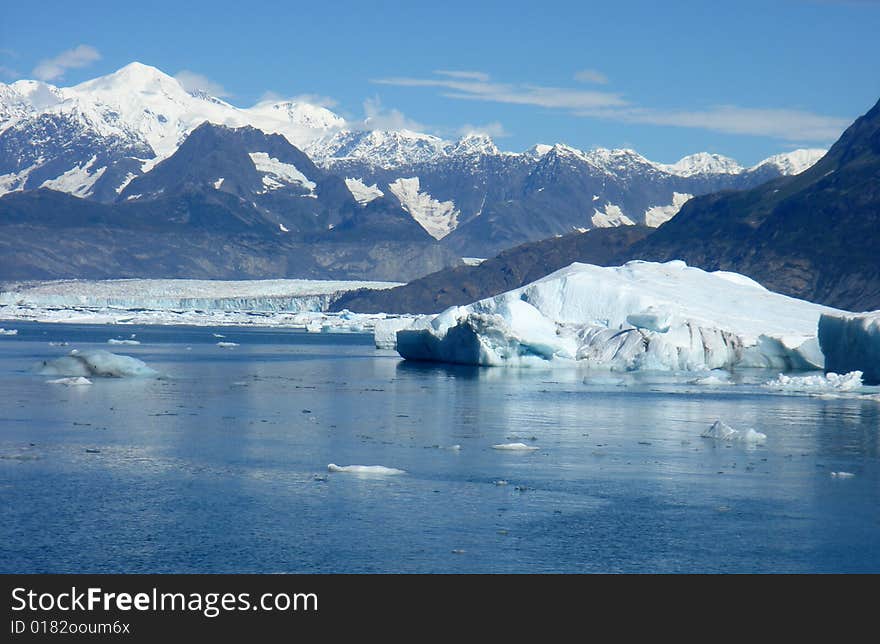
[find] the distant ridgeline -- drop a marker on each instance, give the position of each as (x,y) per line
(96,183)
(814,236)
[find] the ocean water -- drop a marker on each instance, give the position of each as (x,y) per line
(221,465)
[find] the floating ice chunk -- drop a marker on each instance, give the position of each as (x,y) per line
(367,470)
(824,382)
(642,315)
(70,381)
(385,331)
(115,341)
(723,432)
(227,345)
(842,475)
(8,331)
(218,335)
(454,448)
(852,342)
(97,363)
(714,379)
(516,447)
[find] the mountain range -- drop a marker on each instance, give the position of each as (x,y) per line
(134,147)
(813,236)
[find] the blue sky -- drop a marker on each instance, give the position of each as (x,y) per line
(746,79)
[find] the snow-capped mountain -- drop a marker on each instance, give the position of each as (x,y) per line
(105,139)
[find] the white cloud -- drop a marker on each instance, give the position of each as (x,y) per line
(464,75)
(194,82)
(377,117)
(8,72)
(590,76)
(521,94)
(53,68)
(786,124)
(494,129)
(779,123)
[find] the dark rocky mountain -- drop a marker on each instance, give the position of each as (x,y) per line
(274,214)
(814,236)
(511,269)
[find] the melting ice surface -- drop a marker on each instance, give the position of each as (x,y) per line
(222,466)
(640,316)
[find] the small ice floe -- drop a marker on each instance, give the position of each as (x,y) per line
(501,482)
(227,345)
(367,470)
(817,383)
(96,363)
(218,335)
(8,331)
(58,344)
(70,382)
(723,432)
(115,341)
(516,447)
(454,448)
(842,475)
(713,379)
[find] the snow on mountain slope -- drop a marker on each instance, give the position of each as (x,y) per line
(657,215)
(361,192)
(610,217)
(380,148)
(139,111)
(438,218)
(77,181)
(277,174)
(793,162)
(641,315)
(703,163)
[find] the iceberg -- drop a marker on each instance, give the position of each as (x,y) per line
(368,470)
(96,363)
(819,382)
(516,447)
(721,431)
(8,331)
(851,342)
(639,316)
(385,331)
(70,382)
(115,341)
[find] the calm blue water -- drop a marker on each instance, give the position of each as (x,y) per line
(222,466)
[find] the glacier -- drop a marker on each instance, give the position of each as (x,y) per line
(291,295)
(851,342)
(639,316)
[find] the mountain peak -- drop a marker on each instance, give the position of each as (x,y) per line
(474,143)
(703,163)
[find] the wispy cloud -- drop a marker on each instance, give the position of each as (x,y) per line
(591,76)
(311,99)
(51,69)
(779,123)
(521,94)
(195,82)
(378,117)
(464,75)
(8,72)
(494,129)
(785,124)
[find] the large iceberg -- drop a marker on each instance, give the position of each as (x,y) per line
(642,315)
(851,342)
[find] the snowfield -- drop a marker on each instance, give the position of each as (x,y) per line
(851,342)
(639,316)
